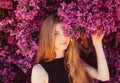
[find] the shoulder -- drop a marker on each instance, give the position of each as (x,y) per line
(39,68)
(38,74)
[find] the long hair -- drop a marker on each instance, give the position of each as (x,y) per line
(46,39)
(46,51)
(73,62)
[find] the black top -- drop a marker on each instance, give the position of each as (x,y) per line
(56,71)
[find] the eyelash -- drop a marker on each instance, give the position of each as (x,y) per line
(56,33)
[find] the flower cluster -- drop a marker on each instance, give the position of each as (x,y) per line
(87,16)
(118,36)
(6,4)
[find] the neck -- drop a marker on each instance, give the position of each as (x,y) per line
(59,53)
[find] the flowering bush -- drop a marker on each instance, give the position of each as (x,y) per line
(90,15)
(20,22)
(112,51)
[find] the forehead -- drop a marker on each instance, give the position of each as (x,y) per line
(58,27)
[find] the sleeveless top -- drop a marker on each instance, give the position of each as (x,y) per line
(56,71)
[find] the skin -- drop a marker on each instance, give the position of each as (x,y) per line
(61,44)
(61,41)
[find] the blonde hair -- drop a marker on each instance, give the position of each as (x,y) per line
(46,39)
(73,62)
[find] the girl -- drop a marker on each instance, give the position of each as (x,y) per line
(58,57)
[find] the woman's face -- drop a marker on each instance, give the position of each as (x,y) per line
(61,41)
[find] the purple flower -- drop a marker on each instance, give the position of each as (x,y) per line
(118,36)
(118,13)
(6,4)
(88,16)
(11,40)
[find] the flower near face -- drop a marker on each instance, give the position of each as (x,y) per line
(89,16)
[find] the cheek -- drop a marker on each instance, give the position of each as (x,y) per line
(56,43)
(56,39)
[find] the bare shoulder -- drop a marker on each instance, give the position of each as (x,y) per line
(39,75)
(39,69)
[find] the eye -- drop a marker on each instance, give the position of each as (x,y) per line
(56,33)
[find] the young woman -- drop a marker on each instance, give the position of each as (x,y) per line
(58,57)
